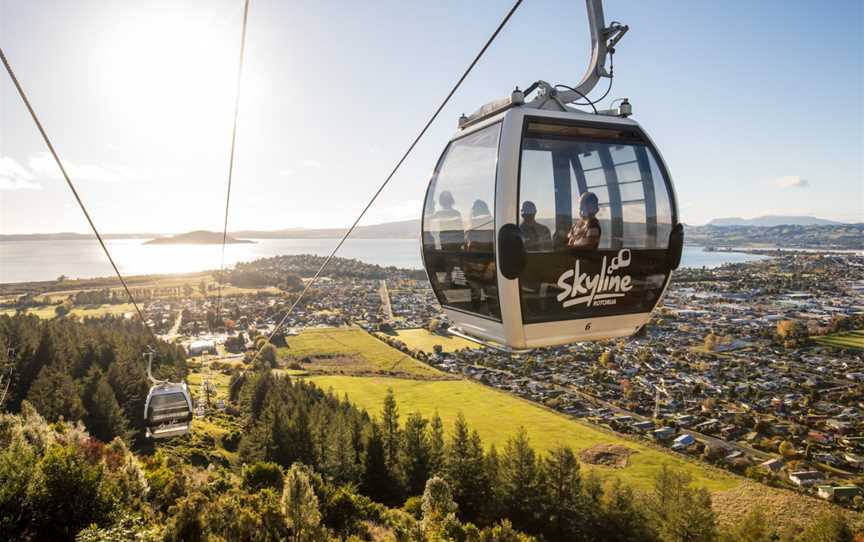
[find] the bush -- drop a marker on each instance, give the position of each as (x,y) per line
(257,476)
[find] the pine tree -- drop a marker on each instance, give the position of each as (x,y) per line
(521,483)
(341,464)
(492,469)
(377,481)
(678,512)
(566,508)
(620,516)
(436,445)
(55,396)
(390,429)
(104,418)
(416,457)
(465,471)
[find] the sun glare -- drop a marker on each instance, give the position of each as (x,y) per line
(173,65)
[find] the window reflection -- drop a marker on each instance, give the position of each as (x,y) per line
(634,208)
(458,225)
(599,193)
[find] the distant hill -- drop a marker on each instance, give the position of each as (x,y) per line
(773,220)
(819,235)
(404,229)
(841,236)
(200,237)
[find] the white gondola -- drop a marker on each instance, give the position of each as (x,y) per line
(168,408)
(547,225)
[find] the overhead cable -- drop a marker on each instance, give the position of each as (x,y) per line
(416,140)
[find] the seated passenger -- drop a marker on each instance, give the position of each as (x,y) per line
(448,222)
(479,237)
(536,235)
(585,233)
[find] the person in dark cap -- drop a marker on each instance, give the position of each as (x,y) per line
(536,235)
(585,233)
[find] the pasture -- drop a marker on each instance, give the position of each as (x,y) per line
(49,311)
(351,351)
(421,339)
(497,416)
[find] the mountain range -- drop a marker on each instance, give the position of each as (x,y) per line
(761,231)
(769,221)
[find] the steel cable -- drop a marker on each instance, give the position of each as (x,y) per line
(434,116)
(231,158)
(41,129)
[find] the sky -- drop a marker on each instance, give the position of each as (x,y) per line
(757,107)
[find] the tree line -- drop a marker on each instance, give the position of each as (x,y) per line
(392,459)
(91,371)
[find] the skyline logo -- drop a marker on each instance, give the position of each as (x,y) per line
(593,290)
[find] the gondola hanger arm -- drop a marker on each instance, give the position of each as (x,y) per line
(603,41)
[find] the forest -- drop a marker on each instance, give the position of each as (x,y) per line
(302,464)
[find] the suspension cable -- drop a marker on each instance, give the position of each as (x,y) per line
(26,101)
(429,122)
(231,158)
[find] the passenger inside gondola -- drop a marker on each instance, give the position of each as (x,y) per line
(478,238)
(585,233)
(449,223)
(536,236)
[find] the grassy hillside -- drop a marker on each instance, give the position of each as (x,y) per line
(423,340)
(352,351)
(497,416)
(49,311)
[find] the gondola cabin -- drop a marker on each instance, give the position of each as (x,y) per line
(168,410)
(546,227)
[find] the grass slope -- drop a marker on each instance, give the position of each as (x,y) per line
(497,416)
(423,340)
(49,311)
(354,351)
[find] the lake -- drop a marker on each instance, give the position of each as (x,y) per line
(23,261)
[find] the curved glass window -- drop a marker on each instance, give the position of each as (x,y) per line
(459,225)
(594,205)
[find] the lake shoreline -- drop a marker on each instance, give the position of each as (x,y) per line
(44,261)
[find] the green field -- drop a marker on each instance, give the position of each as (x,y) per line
(48,311)
(351,351)
(497,416)
(851,339)
(423,340)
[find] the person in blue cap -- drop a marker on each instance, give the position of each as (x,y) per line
(536,235)
(585,233)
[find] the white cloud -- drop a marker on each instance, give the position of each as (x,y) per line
(43,164)
(286,172)
(13,176)
(790,181)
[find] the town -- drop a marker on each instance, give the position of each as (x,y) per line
(739,367)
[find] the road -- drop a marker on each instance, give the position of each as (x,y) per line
(385,300)
(175,329)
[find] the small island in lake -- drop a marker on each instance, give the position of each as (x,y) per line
(197,238)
